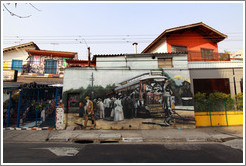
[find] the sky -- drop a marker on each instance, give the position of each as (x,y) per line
(111,28)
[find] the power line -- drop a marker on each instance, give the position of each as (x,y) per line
(104,35)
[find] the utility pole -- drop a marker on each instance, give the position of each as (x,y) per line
(92,89)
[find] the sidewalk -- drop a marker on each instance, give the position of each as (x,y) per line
(210,134)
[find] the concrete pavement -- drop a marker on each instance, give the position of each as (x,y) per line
(230,136)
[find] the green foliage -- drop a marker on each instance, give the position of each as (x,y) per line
(216,101)
(201,103)
(219,100)
(39,107)
(239,101)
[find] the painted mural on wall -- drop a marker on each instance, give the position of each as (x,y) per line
(39,65)
(150,95)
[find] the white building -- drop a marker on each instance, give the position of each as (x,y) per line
(15,57)
(237,56)
(113,69)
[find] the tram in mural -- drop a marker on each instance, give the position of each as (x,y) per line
(150,94)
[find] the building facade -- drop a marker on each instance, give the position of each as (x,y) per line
(210,71)
(28,59)
(16,56)
(46,62)
(111,72)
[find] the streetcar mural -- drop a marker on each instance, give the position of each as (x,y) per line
(153,94)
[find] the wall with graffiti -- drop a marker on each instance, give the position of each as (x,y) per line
(126,93)
(38,64)
(142,96)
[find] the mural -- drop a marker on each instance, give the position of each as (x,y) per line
(149,95)
(37,65)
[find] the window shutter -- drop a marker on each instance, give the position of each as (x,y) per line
(165,63)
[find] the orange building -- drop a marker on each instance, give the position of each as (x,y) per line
(199,40)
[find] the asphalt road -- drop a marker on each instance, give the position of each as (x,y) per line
(119,153)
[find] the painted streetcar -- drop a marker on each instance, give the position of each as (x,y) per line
(150,94)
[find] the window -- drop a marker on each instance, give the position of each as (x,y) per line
(179,49)
(16,65)
(207,53)
(165,63)
(50,66)
(211,85)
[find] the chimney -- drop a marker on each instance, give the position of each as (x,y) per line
(135,47)
(89,57)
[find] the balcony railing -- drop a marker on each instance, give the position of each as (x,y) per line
(199,57)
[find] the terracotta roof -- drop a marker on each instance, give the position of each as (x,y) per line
(21,46)
(200,27)
(51,53)
(77,61)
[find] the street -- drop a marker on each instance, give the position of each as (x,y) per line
(120,153)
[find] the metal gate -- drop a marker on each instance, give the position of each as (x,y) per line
(32,106)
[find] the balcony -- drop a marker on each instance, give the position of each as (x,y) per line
(201,57)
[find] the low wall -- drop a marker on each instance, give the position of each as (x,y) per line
(229,118)
(10,75)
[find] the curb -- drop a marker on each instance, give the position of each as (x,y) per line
(28,128)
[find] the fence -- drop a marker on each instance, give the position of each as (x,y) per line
(31,107)
(219,112)
(194,56)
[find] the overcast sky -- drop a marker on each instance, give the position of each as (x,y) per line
(111,28)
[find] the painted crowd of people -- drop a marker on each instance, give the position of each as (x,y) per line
(123,106)
(116,108)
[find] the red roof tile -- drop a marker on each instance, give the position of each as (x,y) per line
(51,53)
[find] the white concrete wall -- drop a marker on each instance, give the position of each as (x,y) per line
(116,71)
(141,62)
(218,64)
(160,47)
(103,62)
(75,78)
(180,62)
